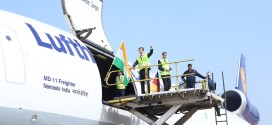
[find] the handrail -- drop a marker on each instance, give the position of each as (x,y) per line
(153,78)
(165,63)
(175,62)
(107,77)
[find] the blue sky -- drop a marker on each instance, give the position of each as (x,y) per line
(212,32)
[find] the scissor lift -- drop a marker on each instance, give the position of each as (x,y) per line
(165,104)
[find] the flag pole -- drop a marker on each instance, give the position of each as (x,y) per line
(107,75)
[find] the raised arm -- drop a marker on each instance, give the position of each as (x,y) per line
(150,53)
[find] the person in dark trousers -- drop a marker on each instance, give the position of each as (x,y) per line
(120,86)
(165,71)
(143,63)
(191,79)
(211,84)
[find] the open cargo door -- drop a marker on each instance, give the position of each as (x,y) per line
(85,20)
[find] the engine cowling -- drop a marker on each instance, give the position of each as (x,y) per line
(238,103)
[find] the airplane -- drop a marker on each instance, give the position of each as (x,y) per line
(50,76)
(236,99)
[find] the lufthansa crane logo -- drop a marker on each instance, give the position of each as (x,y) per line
(243,80)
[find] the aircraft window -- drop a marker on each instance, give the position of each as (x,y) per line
(13,57)
(8,38)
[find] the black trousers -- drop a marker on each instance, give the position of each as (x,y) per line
(166,82)
(120,92)
(142,76)
(190,84)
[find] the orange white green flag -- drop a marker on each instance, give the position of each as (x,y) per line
(121,62)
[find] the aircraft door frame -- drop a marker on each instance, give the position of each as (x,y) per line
(13,60)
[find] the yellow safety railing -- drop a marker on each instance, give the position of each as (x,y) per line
(175,76)
(108,76)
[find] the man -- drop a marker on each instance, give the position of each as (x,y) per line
(211,84)
(143,63)
(120,86)
(165,71)
(190,79)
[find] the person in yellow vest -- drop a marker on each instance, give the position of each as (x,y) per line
(120,86)
(165,71)
(143,63)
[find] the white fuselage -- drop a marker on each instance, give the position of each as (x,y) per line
(48,76)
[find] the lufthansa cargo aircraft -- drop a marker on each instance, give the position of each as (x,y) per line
(51,77)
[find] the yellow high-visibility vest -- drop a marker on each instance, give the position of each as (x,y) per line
(120,82)
(165,66)
(143,61)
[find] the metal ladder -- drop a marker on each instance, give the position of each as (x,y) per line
(218,109)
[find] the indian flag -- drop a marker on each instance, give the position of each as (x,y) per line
(121,62)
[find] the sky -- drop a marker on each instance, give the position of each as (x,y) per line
(212,32)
